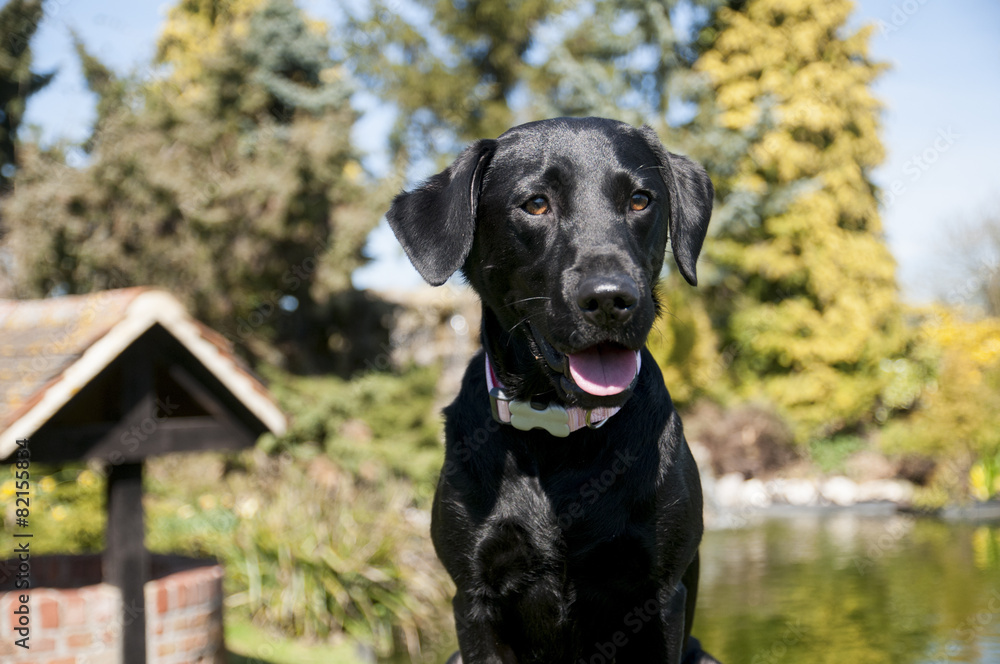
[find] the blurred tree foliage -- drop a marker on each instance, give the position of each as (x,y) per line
(453,74)
(481,66)
(802,289)
(18,23)
(625,59)
(231,181)
(685,346)
(957,417)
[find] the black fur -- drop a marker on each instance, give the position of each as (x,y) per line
(582,548)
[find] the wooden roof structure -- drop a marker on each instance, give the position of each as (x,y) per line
(119,376)
(61,357)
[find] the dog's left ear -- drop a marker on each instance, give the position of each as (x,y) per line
(691,194)
(435,222)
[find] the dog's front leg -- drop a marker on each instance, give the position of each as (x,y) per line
(672,617)
(658,629)
(478,641)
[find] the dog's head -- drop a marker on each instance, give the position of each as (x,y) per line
(561,227)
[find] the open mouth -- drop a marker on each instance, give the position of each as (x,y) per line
(602,370)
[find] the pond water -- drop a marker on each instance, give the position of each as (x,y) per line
(845,588)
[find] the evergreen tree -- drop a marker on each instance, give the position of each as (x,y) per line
(18,23)
(195,34)
(484,65)
(626,59)
(111,91)
(804,291)
(245,199)
(451,78)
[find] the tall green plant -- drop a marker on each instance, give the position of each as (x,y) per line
(803,290)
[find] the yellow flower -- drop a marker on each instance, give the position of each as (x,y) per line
(48,484)
(59,513)
(87,479)
(7,489)
(978,482)
(206,502)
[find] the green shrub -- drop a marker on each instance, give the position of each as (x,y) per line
(830,455)
(956,419)
(375,425)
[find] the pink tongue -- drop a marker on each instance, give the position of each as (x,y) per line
(603,370)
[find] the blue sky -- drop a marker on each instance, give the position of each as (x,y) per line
(941,123)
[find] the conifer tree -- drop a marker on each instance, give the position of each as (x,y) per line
(451,78)
(804,291)
(18,23)
(483,65)
(625,59)
(245,199)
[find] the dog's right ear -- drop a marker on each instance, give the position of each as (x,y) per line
(435,222)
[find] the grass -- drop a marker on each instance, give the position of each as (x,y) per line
(249,644)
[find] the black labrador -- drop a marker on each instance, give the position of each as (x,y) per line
(569,508)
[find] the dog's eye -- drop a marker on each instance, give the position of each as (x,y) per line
(640,201)
(537,205)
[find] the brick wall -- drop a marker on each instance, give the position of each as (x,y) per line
(67,626)
(79,620)
(184,619)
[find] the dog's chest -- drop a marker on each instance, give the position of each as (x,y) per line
(570,528)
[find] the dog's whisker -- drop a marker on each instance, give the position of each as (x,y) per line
(659,332)
(668,312)
(515,326)
(527,299)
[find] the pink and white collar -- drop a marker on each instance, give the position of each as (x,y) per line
(558,420)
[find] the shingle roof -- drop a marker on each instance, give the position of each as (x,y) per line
(50,349)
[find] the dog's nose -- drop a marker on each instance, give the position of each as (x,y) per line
(607,299)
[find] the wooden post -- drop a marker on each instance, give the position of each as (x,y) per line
(126,560)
